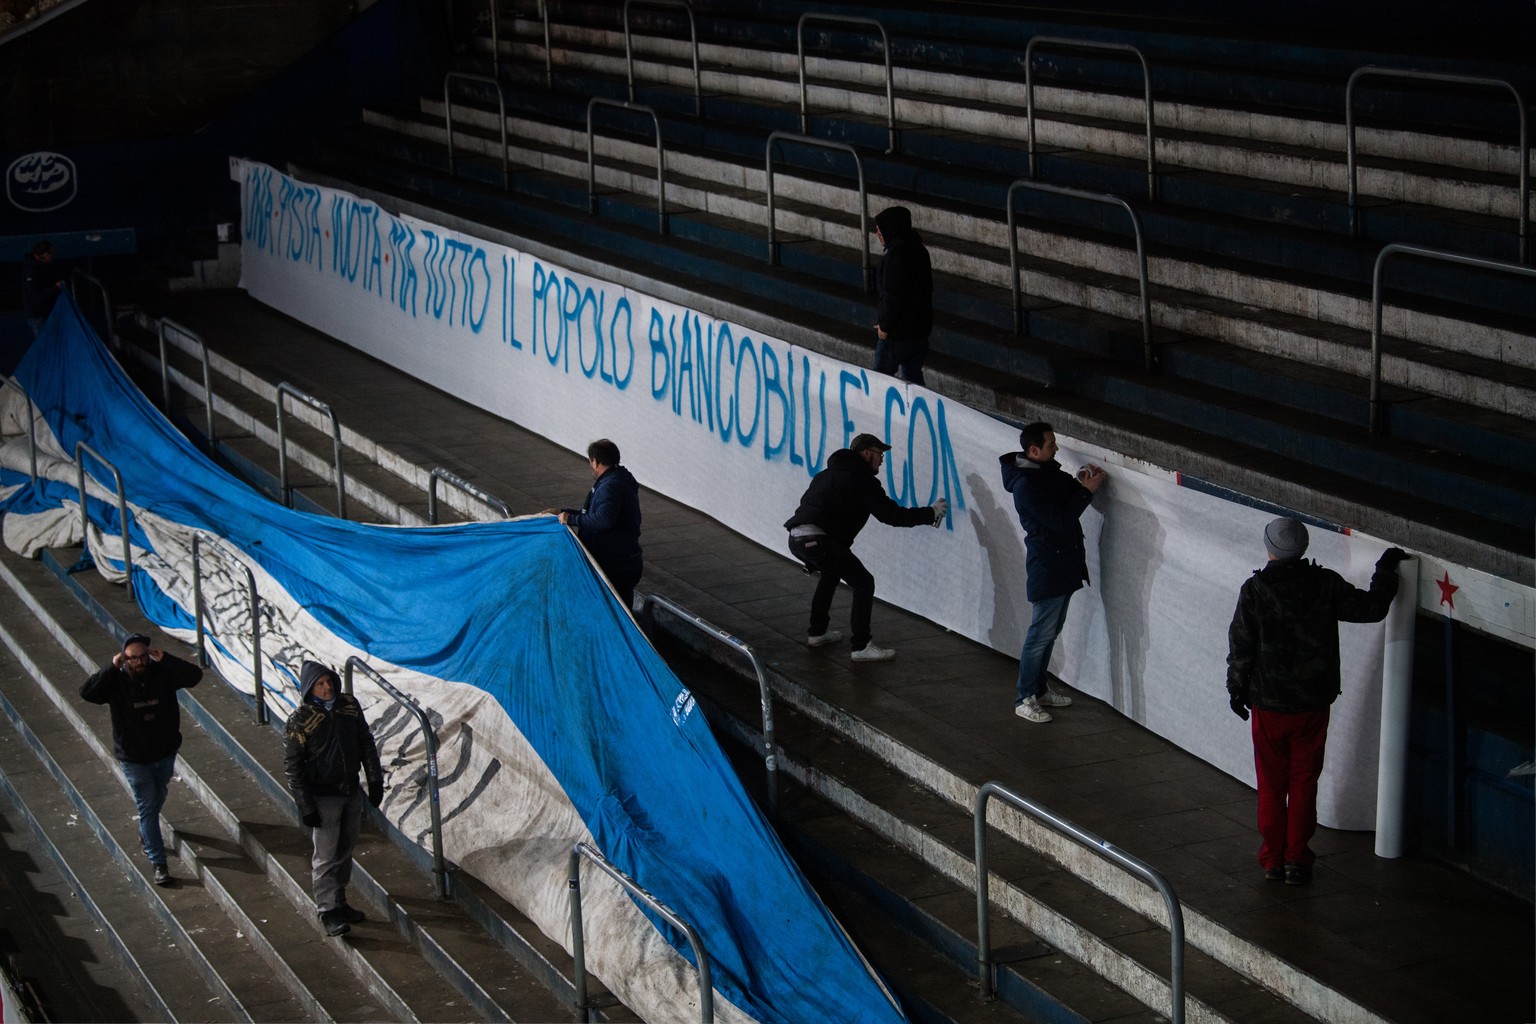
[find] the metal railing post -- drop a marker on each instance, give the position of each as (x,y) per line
(1104,849)
(578,944)
(501,104)
(33,412)
(765,695)
(81,448)
(495,39)
(80,277)
(549,56)
(1376,274)
(1088,44)
(198,610)
(693,35)
(1149,359)
(808,140)
(282,446)
(405,700)
(1372,71)
(885,47)
(439,473)
(171,326)
(661,178)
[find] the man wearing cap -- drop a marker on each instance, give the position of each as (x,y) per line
(904,286)
(1283,664)
(140,689)
(325,743)
(1049,502)
(833,510)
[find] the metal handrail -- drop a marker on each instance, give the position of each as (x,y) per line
(693,34)
(198,614)
(122,508)
(810,140)
(282,447)
(495,39)
(578,940)
(885,46)
(501,103)
(165,370)
(549,56)
(1103,848)
(1371,70)
(79,276)
(439,473)
(661,178)
(765,696)
(33,412)
(1088,44)
(1430,254)
(1141,255)
(405,700)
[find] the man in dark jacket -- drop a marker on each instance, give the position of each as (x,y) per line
(1049,502)
(140,689)
(325,743)
(833,510)
(904,285)
(1283,663)
(609,525)
(40,285)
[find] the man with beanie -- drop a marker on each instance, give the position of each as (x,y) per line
(1049,502)
(325,743)
(833,510)
(904,286)
(609,525)
(1283,664)
(140,689)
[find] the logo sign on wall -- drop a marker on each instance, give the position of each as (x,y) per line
(39,182)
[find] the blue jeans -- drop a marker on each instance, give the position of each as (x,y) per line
(1047,618)
(149,783)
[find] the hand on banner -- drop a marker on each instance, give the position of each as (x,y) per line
(940,510)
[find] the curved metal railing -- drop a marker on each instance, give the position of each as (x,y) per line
(885,47)
(1372,71)
(198,613)
(501,105)
(81,448)
(1141,256)
(693,35)
(438,473)
(104,302)
(282,446)
(843,147)
(661,176)
(1088,44)
(171,326)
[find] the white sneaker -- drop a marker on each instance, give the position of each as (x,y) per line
(872,653)
(1031,711)
(831,636)
(1051,699)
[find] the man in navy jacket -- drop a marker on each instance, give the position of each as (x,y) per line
(1049,502)
(610,523)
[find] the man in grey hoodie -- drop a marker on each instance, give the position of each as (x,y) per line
(326,741)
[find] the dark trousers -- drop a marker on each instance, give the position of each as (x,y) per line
(836,562)
(901,357)
(1288,758)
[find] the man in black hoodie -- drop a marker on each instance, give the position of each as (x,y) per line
(140,688)
(609,525)
(1283,663)
(904,285)
(832,511)
(325,743)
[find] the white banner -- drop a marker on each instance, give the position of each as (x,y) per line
(735,424)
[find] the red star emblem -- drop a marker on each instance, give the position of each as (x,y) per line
(1447,589)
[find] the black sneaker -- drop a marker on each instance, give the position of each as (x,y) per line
(1274,875)
(1298,874)
(163,875)
(349,914)
(334,925)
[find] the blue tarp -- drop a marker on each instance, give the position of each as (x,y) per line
(515,609)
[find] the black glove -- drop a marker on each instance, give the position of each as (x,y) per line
(1240,708)
(311,820)
(376,792)
(1391,557)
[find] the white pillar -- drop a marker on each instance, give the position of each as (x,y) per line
(1396,694)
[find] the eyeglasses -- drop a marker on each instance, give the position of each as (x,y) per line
(136,657)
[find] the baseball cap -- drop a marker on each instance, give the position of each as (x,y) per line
(867,443)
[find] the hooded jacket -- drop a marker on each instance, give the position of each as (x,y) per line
(1050,502)
(904,278)
(610,524)
(842,497)
(146,720)
(1283,645)
(323,749)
